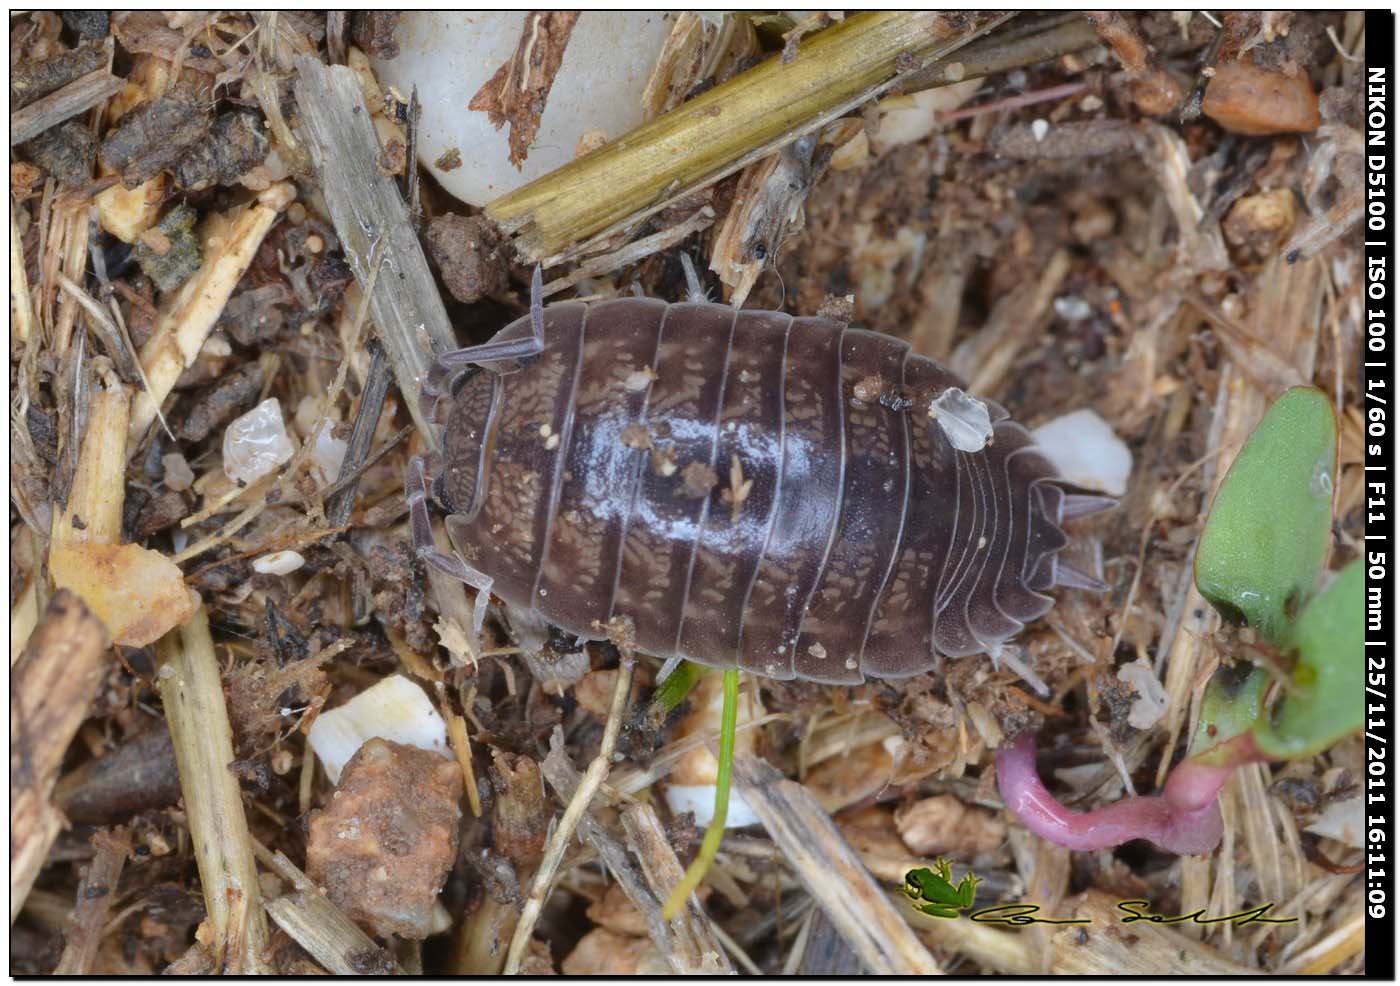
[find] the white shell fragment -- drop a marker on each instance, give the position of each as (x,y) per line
(449,55)
(327,454)
(699,799)
(278,563)
(1083,447)
(256,443)
(1151,702)
(395,709)
(965,420)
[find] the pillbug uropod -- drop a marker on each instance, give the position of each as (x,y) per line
(750,489)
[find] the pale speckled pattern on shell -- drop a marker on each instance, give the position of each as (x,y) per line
(598,480)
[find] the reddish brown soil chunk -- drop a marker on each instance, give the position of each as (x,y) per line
(1247,99)
(383,845)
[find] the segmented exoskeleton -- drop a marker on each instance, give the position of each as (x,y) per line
(749,488)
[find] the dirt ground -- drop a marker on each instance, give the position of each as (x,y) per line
(1157,223)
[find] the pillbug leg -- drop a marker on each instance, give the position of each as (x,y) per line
(498,350)
(714,835)
(424,545)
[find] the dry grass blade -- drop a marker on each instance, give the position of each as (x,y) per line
(318,926)
(372,223)
(832,872)
(83,93)
(1101,948)
(563,833)
(96,892)
(192,693)
(51,687)
(715,134)
(187,318)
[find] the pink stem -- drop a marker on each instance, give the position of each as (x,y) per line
(1184,819)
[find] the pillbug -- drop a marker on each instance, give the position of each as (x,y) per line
(749,488)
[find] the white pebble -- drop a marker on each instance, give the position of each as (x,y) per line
(278,563)
(448,55)
(1151,703)
(256,443)
(178,474)
(699,799)
(1039,128)
(1087,453)
(327,455)
(965,420)
(395,709)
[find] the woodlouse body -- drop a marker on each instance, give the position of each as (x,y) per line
(748,488)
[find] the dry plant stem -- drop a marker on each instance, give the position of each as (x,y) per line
(83,93)
(99,484)
(21,303)
(462,749)
(578,804)
(187,318)
(721,131)
(687,941)
(193,696)
(638,249)
(691,931)
(319,926)
(340,502)
(832,872)
(1149,950)
(372,222)
(1008,49)
(113,338)
(51,687)
(96,892)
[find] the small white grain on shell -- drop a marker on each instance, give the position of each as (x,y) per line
(964,420)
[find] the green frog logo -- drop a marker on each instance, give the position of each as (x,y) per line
(934,893)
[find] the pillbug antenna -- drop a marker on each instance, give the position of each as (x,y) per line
(537,305)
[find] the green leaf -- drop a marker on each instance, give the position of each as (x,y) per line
(1229,708)
(673,691)
(1270,526)
(1324,700)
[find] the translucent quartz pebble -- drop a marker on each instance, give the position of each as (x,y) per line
(1087,453)
(256,443)
(448,55)
(965,420)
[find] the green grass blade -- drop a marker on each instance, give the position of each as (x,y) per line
(714,835)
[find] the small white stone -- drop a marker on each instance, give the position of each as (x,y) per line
(395,709)
(1151,702)
(1087,453)
(327,455)
(278,563)
(965,420)
(699,799)
(256,443)
(1039,128)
